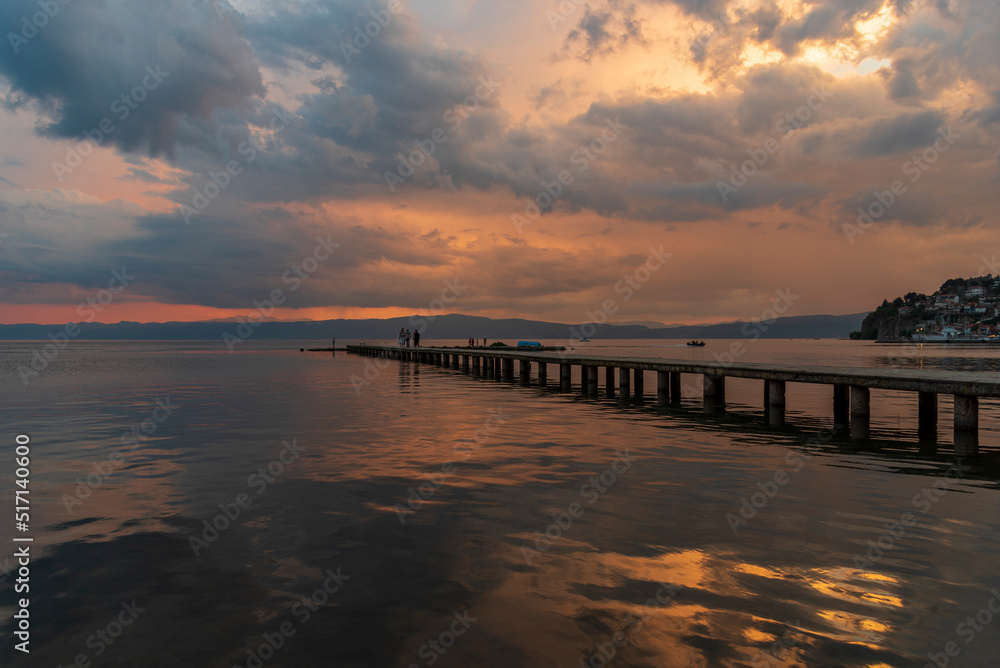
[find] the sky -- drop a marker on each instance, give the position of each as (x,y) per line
(674,161)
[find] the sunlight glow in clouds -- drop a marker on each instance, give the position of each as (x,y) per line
(698,87)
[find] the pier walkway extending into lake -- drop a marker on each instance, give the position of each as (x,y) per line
(851,386)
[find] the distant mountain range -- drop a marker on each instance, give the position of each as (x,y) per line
(454,326)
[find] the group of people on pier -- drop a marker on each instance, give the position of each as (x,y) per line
(405,337)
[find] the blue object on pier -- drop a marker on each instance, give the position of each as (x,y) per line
(528,344)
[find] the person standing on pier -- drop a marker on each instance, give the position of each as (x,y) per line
(407,338)
(399,337)
(416,339)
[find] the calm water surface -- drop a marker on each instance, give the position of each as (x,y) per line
(459,521)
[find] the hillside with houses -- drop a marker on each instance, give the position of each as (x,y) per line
(962,310)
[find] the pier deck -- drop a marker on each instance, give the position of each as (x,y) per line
(851,393)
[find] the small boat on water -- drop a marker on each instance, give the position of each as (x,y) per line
(697,344)
(585,340)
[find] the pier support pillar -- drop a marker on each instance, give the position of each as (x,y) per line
(592,385)
(715,392)
(861,402)
(565,376)
(524,371)
(774,406)
(475,364)
(624,390)
(860,413)
(675,387)
(465,364)
(966,425)
(543,374)
(507,369)
(609,381)
(584,379)
(927,416)
(498,368)
(662,388)
(638,385)
(455,361)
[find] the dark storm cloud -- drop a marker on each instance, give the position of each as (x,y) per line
(898,134)
(604,31)
(94,61)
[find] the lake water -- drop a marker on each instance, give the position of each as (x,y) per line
(425,517)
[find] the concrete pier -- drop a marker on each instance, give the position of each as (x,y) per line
(851,386)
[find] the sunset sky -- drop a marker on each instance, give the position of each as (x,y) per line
(647,110)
